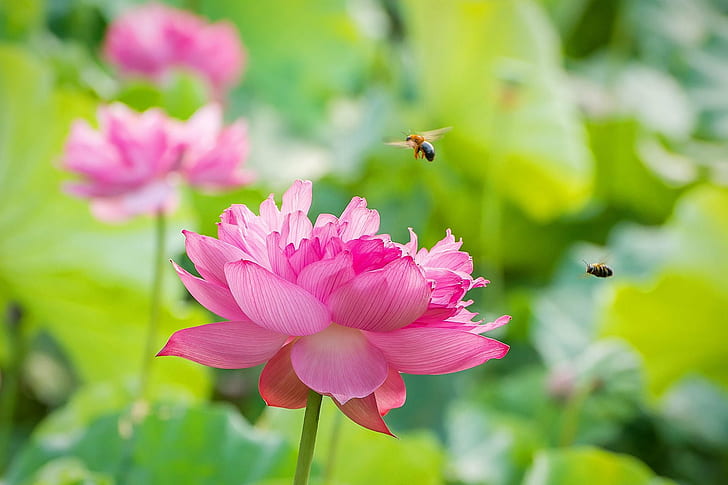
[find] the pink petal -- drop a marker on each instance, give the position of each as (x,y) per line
(215,298)
(323,277)
(149,199)
(423,350)
(359,220)
(210,255)
(277,258)
(225,345)
(392,394)
(279,385)
(296,226)
(274,303)
(486,327)
(364,412)
(339,361)
(382,300)
(411,246)
(270,217)
(297,197)
(308,252)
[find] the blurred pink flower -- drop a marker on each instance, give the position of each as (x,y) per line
(330,306)
(133,163)
(213,152)
(152,40)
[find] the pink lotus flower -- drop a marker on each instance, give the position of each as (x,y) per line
(133,163)
(330,306)
(213,152)
(152,40)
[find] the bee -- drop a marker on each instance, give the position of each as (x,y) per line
(421,143)
(600,270)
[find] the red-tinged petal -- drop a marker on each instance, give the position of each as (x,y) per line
(273,302)
(323,277)
(210,255)
(279,385)
(423,350)
(339,361)
(225,345)
(297,197)
(382,300)
(486,327)
(392,394)
(364,412)
(215,298)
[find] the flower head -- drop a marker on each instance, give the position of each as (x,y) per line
(152,40)
(132,164)
(330,306)
(213,152)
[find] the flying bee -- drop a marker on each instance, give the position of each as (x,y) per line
(421,142)
(600,270)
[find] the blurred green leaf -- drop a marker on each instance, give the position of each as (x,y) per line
(300,55)
(140,95)
(171,445)
(85,283)
(18,19)
(687,290)
(68,471)
(184,94)
(698,409)
(516,128)
(361,456)
(623,180)
(576,466)
(488,447)
(654,320)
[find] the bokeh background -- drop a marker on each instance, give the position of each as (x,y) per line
(584,130)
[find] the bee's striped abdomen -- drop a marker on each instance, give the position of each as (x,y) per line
(600,270)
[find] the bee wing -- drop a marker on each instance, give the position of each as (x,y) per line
(433,135)
(403,144)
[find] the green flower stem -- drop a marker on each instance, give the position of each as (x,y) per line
(308,438)
(572,413)
(155,302)
(333,447)
(10,385)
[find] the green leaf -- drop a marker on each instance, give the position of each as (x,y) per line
(300,55)
(360,455)
(699,410)
(173,444)
(515,125)
(654,320)
(624,182)
(184,94)
(576,466)
(686,290)
(85,283)
(17,19)
(68,471)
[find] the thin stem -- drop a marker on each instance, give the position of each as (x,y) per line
(308,438)
(333,447)
(572,413)
(10,382)
(155,302)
